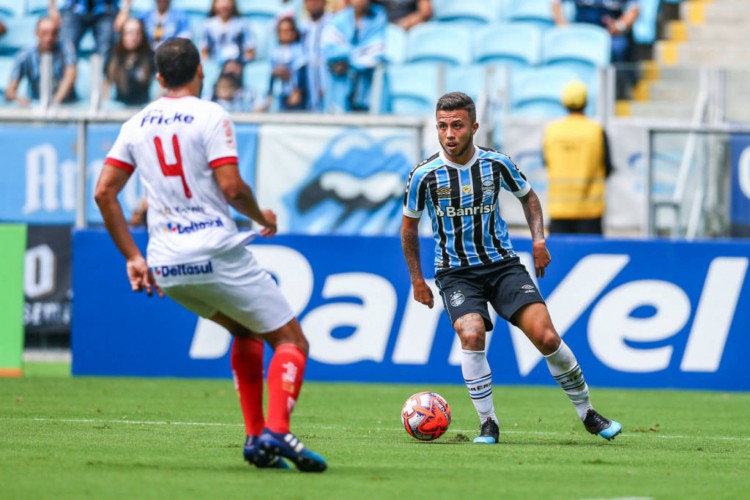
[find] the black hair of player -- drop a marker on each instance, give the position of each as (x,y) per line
(453,101)
(177,61)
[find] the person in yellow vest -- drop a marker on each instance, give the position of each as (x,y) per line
(576,155)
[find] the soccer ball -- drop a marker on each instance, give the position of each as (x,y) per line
(426,416)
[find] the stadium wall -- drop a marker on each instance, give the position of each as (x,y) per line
(656,314)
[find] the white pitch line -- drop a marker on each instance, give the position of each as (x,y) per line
(385,429)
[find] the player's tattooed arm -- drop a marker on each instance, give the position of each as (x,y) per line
(532,209)
(410,245)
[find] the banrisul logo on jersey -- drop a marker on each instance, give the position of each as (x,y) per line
(355,186)
(194,226)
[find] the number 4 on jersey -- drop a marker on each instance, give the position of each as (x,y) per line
(173,169)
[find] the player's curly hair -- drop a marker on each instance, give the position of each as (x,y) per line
(457,100)
(177,61)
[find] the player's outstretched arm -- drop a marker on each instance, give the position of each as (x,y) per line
(240,196)
(532,209)
(410,245)
(110,183)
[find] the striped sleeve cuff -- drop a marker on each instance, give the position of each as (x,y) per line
(218,162)
(119,164)
(412,213)
(523,191)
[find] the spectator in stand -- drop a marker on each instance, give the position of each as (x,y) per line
(131,67)
(226,36)
(312,30)
(75,17)
(162,23)
(406,13)
(616,16)
(576,154)
(27,65)
(353,45)
(3,29)
(228,93)
(288,87)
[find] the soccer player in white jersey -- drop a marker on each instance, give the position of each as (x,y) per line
(475,262)
(185,150)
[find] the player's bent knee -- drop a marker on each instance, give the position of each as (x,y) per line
(290,333)
(473,341)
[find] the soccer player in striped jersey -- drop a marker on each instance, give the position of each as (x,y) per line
(186,152)
(475,262)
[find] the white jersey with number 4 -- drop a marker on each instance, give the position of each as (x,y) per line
(175,143)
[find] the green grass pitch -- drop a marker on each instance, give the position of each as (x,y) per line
(65,437)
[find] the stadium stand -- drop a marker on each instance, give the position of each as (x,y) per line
(580,47)
(537,12)
(256,76)
(36,7)
(535,92)
(469,12)
(263,10)
(201,7)
(439,42)
(21,34)
(414,87)
(12,8)
(513,44)
(470,79)
(395,44)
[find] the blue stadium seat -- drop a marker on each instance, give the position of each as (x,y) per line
(12,8)
(196,22)
(83,79)
(536,92)
(256,79)
(470,79)
(264,33)
(413,88)
(88,44)
(538,12)
(470,12)
(6,66)
(21,34)
(138,7)
(514,44)
(265,10)
(211,71)
(36,7)
(438,42)
(193,6)
(644,28)
(581,47)
(395,44)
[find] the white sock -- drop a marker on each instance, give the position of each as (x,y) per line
(478,379)
(564,367)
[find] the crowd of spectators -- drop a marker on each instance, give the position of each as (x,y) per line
(323,57)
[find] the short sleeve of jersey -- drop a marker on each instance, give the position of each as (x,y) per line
(512,178)
(120,155)
(221,140)
(416,193)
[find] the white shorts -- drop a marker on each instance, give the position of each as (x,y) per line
(231,283)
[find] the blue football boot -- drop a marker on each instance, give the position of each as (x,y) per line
(489,433)
(597,424)
(271,444)
(271,462)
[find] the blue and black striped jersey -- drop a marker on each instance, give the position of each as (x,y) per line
(464,207)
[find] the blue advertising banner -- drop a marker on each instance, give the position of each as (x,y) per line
(740,185)
(637,314)
(39,183)
(38,178)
